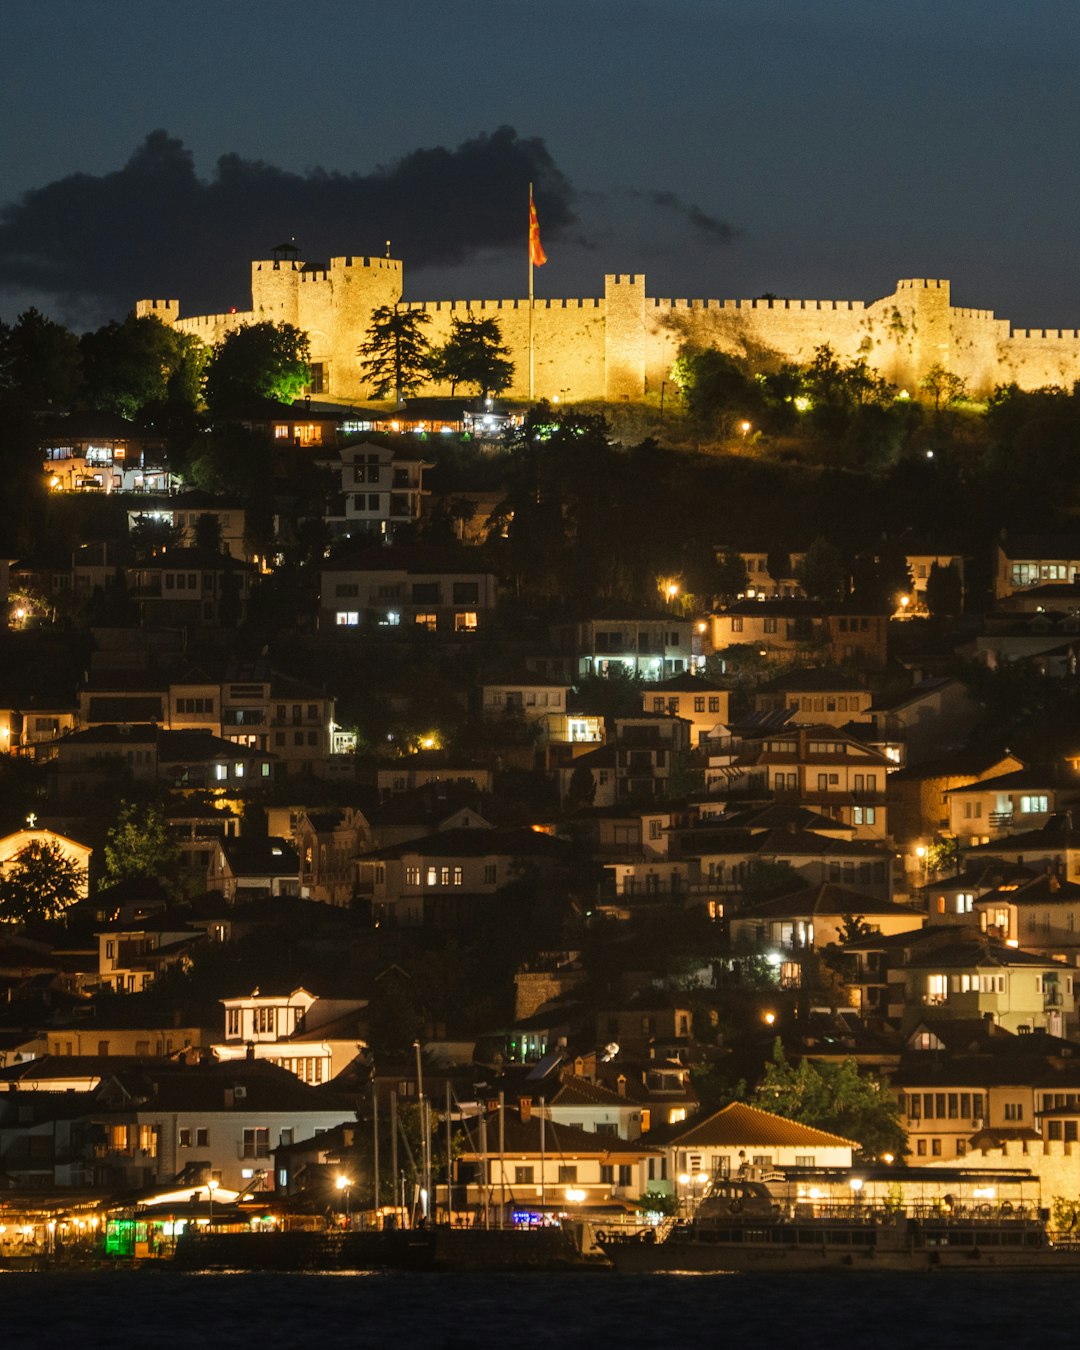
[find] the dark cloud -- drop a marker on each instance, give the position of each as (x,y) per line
(710,226)
(153,228)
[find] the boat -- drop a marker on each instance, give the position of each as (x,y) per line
(753,1225)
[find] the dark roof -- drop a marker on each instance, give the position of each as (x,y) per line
(414,558)
(974,952)
(194,559)
(886,703)
(272,856)
(1037,776)
(477,843)
(1054,834)
(825,899)
(813,681)
(780,842)
(1040,546)
(560,1141)
(684,684)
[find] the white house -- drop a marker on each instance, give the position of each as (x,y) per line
(313,1038)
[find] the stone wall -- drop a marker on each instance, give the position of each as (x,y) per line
(622,345)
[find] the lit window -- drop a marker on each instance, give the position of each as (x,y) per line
(347,618)
(465,622)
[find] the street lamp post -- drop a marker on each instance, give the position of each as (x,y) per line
(343,1183)
(211,1187)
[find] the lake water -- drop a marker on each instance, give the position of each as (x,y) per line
(154,1308)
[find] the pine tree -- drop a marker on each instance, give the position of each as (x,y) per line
(396,354)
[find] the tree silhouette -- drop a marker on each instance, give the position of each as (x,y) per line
(40,882)
(396,354)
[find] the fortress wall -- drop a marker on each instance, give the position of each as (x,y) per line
(768,332)
(1035,357)
(211,328)
(568,342)
(623,345)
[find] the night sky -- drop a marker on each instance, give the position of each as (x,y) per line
(809,148)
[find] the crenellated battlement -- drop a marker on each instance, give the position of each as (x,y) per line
(922,284)
(192,323)
(371,264)
(1045,335)
(168,311)
(450,306)
(801,306)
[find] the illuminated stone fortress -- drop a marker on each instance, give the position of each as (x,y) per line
(621,346)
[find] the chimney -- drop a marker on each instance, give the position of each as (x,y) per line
(620,1085)
(525,1108)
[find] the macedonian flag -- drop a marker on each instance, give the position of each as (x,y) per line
(537,256)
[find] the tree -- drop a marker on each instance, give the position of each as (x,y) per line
(764,880)
(40,365)
(944,591)
(475,355)
(944,856)
(821,574)
(208,542)
(834,1097)
(943,387)
(731,576)
(40,882)
(258,360)
(582,789)
(140,846)
(715,388)
(141,362)
(397,355)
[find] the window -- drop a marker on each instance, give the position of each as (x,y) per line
(428,621)
(736,624)
(714,703)
(1034,805)
(412,876)
(466,592)
(626,1174)
(202,1136)
(232,1022)
(490,873)
(465,621)
(935,1147)
(256,1142)
(347,618)
(350,589)
(523,1176)
(425,593)
(607,1174)
(458,876)
(699,703)
(185,1138)
(1014,1111)
(567,1176)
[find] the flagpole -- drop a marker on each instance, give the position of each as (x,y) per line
(531,361)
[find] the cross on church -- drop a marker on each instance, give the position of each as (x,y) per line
(31,819)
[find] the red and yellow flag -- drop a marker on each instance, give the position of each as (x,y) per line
(537,256)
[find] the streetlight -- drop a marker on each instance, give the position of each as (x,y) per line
(211,1187)
(343,1183)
